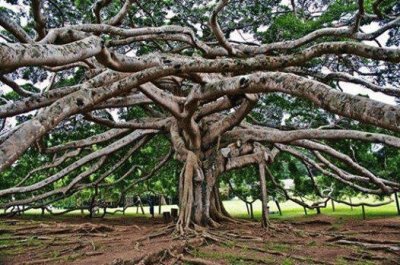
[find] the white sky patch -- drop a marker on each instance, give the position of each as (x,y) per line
(262,28)
(240,36)
(199,31)
(131,53)
(114,114)
(355,89)
(288,184)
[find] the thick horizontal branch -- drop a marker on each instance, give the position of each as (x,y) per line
(145,123)
(17,55)
(278,136)
(355,107)
(96,139)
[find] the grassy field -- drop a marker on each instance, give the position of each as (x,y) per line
(289,210)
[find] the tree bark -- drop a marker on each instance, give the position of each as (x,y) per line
(264,196)
(279,207)
(351,204)
(397,203)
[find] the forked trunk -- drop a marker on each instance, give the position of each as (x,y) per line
(199,200)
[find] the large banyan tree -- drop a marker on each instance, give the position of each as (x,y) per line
(228,83)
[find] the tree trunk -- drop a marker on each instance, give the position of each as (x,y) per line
(159,204)
(141,206)
(199,200)
(93,201)
(351,206)
(363,212)
(186,196)
(264,197)
(397,203)
(279,207)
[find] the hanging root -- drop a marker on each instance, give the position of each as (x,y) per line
(186,200)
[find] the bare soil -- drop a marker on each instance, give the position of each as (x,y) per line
(135,240)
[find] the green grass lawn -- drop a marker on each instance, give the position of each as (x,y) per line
(289,210)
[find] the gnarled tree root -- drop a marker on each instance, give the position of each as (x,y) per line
(159,256)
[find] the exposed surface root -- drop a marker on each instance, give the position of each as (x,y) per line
(155,243)
(391,248)
(159,256)
(86,228)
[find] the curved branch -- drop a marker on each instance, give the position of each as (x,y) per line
(15,29)
(346,179)
(55,163)
(98,5)
(355,107)
(342,157)
(98,138)
(17,55)
(40,22)
(14,86)
(102,152)
(216,29)
(278,136)
(146,123)
(116,20)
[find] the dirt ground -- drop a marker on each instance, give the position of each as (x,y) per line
(134,240)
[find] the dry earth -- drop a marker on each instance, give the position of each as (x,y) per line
(135,240)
